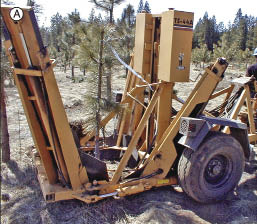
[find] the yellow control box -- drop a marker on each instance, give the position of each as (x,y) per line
(175,46)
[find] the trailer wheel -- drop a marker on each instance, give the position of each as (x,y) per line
(211,172)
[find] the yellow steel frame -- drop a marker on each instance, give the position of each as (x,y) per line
(251,105)
(48,123)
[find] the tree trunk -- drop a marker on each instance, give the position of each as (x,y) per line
(109,72)
(108,78)
(111,12)
(99,91)
(126,70)
(72,71)
(84,72)
(109,84)
(5,146)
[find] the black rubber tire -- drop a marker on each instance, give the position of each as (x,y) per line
(213,170)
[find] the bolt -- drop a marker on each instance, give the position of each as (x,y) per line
(216,169)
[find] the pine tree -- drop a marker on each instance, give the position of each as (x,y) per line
(45,34)
(147,7)
(90,54)
(66,53)
(254,39)
(237,19)
(201,54)
(125,33)
(99,93)
(140,6)
(56,30)
(225,48)
(240,29)
(244,56)
(229,36)
(91,17)
(242,33)
(216,33)
(38,9)
(207,31)
(221,29)
(127,16)
(60,40)
(232,42)
(74,17)
(93,52)
(7,2)
(197,35)
(75,20)
(251,24)
(108,6)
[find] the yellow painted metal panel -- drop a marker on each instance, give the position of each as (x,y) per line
(143,38)
(249,110)
(175,46)
(164,110)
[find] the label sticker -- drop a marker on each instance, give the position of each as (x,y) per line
(180,61)
(183,22)
(164,181)
(16,14)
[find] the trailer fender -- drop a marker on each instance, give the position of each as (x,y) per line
(193,140)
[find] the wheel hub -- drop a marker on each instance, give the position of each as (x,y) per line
(216,169)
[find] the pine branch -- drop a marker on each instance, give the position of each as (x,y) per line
(100,4)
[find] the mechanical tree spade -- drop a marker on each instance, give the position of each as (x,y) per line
(154,144)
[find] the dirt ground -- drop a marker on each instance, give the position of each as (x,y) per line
(24,203)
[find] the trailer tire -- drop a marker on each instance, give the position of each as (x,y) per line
(213,170)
